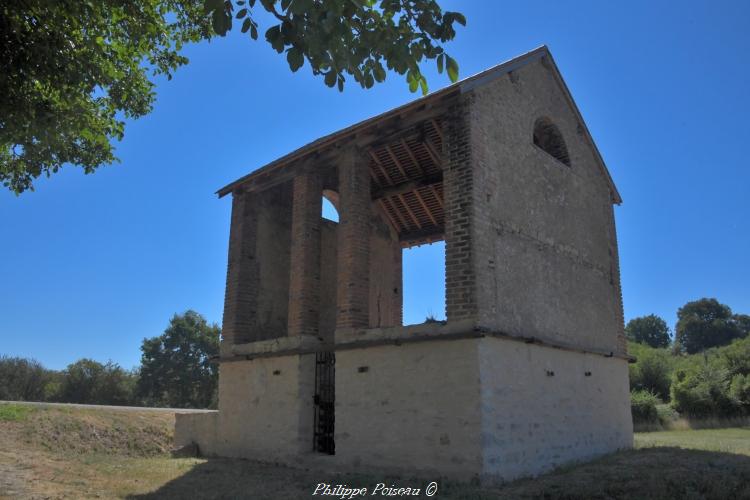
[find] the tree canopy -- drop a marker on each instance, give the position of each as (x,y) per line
(650,330)
(176,367)
(88,381)
(73,71)
(705,323)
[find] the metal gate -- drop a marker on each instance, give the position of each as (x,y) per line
(325,370)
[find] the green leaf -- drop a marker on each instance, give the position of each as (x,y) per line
(452,67)
(253,32)
(241,13)
(459,18)
(440,63)
(212,5)
(300,7)
(218,22)
(341,83)
(423,84)
(295,59)
(246,24)
(413,84)
(330,78)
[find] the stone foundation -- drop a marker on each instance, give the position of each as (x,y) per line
(481,406)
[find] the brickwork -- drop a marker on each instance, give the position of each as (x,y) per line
(398,285)
(458,182)
(622,341)
(243,274)
(304,278)
(353,241)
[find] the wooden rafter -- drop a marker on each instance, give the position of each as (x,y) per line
(414,218)
(388,214)
(398,163)
(406,187)
(424,207)
(380,166)
(431,151)
(403,223)
(413,158)
(437,129)
(437,196)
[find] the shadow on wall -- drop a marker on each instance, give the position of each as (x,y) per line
(658,472)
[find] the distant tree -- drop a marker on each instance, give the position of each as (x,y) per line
(176,367)
(22,379)
(72,71)
(90,382)
(703,324)
(650,330)
(743,323)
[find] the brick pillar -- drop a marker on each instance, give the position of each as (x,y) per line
(622,341)
(353,298)
(304,279)
(458,189)
(243,274)
(398,284)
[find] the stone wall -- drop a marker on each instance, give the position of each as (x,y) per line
(543,232)
(266,408)
(415,408)
(544,407)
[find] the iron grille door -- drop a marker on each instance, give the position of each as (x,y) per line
(325,370)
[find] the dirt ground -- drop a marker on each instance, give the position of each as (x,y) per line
(84,453)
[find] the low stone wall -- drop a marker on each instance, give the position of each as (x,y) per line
(199,429)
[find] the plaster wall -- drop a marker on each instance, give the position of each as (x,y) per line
(533,422)
(266,408)
(543,232)
(197,428)
(415,408)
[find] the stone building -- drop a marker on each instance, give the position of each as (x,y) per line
(530,369)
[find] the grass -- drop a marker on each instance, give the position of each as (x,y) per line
(735,440)
(77,453)
(13,412)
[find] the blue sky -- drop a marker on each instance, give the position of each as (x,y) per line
(93,264)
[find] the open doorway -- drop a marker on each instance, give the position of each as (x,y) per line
(424,283)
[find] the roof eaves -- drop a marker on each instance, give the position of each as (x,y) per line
(462,86)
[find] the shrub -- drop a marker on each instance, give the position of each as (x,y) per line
(643,407)
(739,390)
(736,357)
(701,390)
(652,372)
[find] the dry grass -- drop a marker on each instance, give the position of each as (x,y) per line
(57,453)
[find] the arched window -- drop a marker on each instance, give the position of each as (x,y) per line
(548,137)
(330,205)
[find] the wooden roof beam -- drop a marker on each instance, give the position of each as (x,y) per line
(405,187)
